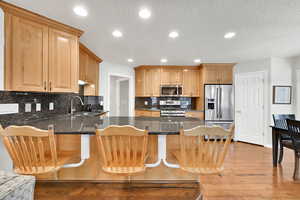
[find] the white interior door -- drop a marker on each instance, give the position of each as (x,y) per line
(249,107)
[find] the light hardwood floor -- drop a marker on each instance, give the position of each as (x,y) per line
(248,175)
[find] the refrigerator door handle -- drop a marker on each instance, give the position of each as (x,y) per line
(220,103)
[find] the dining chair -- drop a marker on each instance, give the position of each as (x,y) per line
(280,121)
(294,144)
(203,149)
(33,151)
(123,149)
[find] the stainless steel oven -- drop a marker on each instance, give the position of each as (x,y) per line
(171,108)
(171,90)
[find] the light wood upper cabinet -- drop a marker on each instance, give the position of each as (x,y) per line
(171,76)
(83,63)
(156,81)
(89,70)
(152,82)
(26,55)
(226,75)
(41,55)
(191,83)
(140,82)
(217,73)
(63,62)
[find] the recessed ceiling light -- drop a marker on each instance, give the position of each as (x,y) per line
(197,61)
(145,13)
(163,60)
(130,60)
(229,35)
(80,11)
(173,34)
(117,33)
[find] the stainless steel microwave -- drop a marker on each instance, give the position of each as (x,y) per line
(171,90)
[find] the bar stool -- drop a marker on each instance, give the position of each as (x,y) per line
(203,149)
(33,151)
(123,149)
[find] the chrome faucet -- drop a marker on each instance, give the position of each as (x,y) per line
(73,109)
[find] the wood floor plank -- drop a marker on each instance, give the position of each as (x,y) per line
(115,191)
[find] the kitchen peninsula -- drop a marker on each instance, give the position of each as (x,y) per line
(163,129)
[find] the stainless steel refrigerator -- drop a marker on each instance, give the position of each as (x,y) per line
(219,103)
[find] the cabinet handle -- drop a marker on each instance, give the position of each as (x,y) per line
(45,85)
(50,86)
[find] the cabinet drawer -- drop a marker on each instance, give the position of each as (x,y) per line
(155,114)
(199,115)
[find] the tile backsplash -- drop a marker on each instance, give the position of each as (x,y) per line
(153,102)
(25,101)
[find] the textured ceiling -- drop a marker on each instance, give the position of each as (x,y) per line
(264,28)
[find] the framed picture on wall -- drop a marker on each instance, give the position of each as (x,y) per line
(282,94)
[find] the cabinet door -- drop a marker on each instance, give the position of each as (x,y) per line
(152,82)
(156,78)
(199,115)
(176,77)
(139,82)
(83,63)
(148,91)
(187,82)
(93,74)
(165,76)
(191,83)
(211,75)
(225,75)
(155,114)
(26,55)
(171,76)
(63,62)
(92,77)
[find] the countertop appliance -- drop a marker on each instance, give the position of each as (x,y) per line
(171,108)
(219,103)
(170,90)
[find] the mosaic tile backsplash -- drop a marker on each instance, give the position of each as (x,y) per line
(61,102)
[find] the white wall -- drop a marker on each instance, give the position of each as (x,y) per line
(281,74)
(262,65)
(279,71)
(296,83)
(124,98)
(106,70)
(113,88)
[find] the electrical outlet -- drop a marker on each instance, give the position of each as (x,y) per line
(51,106)
(38,107)
(27,107)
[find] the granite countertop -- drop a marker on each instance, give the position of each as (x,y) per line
(157,109)
(87,124)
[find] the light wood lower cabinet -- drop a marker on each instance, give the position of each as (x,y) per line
(147,113)
(195,114)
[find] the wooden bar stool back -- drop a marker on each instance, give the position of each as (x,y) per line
(203,149)
(123,149)
(32,150)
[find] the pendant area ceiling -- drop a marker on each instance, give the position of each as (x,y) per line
(264,28)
